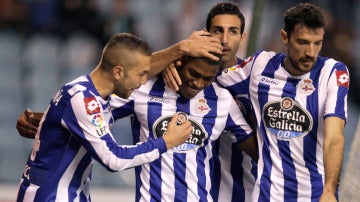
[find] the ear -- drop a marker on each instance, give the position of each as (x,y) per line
(118,72)
(243,36)
(284,36)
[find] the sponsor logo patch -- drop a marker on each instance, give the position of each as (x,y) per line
(92,106)
(102,131)
(286,119)
(159,99)
(195,140)
(241,65)
(342,78)
(269,81)
(97,120)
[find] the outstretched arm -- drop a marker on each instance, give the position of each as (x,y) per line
(198,44)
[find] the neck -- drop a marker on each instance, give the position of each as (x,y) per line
(230,63)
(102,82)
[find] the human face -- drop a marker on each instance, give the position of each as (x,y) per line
(132,78)
(196,75)
(303,47)
(227,28)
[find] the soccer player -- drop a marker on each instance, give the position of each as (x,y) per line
(75,128)
(300,104)
(234,170)
(185,173)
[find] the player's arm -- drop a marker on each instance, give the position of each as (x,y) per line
(333,156)
(237,125)
(28,122)
(198,44)
(93,133)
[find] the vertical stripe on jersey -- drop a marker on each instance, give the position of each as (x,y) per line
(84,163)
(216,170)
(237,172)
(263,99)
(179,163)
(310,140)
(201,156)
(289,170)
(154,114)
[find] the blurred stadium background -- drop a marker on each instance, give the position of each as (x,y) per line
(45,43)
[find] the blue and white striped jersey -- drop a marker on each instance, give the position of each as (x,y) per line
(234,170)
(74,130)
(184,172)
(290,112)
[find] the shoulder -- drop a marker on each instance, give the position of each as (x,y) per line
(221,92)
(80,84)
(328,66)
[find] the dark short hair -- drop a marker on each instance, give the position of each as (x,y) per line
(120,46)
(225,8)
(186,58)
(306,14)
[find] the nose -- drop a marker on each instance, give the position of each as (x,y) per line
(143,79)
(199,84)
(225,38)
(310,50)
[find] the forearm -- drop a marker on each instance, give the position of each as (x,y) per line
(334,143)
(333,158)
(163,58)
(198,44)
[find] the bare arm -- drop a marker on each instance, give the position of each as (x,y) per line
(198,44)
(333,156)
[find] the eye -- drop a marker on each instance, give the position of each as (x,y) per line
(143,73)
(301,42)
(216,30)
(209,79)
(235,31)
(318,43)
(194,74)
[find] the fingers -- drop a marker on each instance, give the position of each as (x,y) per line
(25,132)
(211,56)
(172,78)
(175,75)
(36,118)
(197,34)
(28,113)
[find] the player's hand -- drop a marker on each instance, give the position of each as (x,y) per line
(171,76)
(201,44)
(177,134)
(28,122)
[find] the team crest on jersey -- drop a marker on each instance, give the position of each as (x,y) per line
(92,106)
(286,119)
(195,140)
(305,87)
(201,107)
(342,78)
